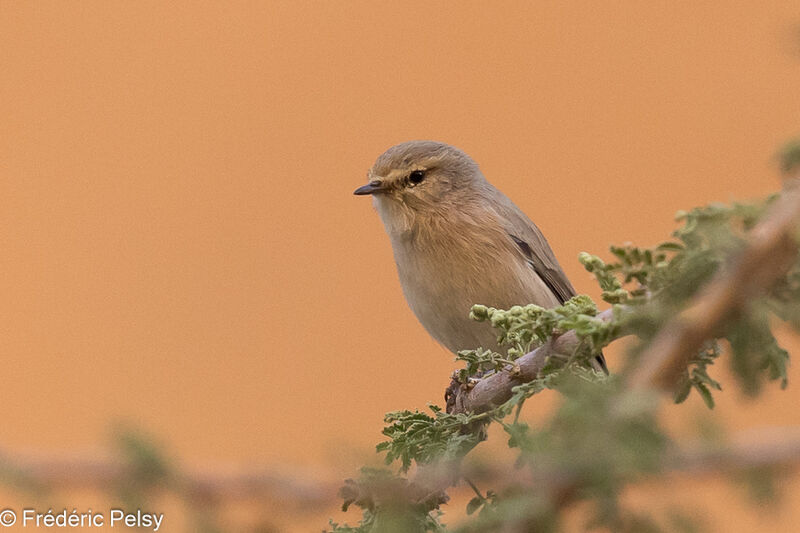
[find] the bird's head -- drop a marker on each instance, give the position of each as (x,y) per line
(418,178)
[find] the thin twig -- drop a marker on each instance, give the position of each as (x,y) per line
(475,488)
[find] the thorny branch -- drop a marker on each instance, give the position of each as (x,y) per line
(770,252)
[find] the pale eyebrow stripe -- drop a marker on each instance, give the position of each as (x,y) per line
(396,173)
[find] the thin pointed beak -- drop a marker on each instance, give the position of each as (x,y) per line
(372,187)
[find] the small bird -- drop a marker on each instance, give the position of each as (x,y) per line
(459,241)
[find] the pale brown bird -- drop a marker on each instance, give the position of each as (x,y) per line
(459,241)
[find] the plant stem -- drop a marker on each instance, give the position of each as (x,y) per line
(475,488)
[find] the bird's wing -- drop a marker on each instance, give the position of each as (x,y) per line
(528,238)
(554,279)
(536,250)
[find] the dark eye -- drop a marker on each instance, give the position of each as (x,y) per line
(416,177)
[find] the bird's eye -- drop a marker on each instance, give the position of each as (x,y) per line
(416,177)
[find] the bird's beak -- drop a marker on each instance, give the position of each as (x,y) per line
(372,187)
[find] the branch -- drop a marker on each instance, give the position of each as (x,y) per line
(770,252)
(88,471)
(762,448)
(495,389)
(770,447)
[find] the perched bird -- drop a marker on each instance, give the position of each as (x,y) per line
(459,241)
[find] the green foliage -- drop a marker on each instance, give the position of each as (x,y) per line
(755,354)
(521,327)
(422,438)
(388,506)
(363,526)
(149,472)
(603,435)
(146,465)
(696,376)
(398,521)
(649,286)
(480,360)
(789,156)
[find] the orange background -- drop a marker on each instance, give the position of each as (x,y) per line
(179,247)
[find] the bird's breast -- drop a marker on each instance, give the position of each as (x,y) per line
(445,272)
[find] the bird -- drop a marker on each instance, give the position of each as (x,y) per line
(458,241)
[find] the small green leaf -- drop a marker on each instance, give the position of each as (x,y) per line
(682,391)
(474,504)
(705,394)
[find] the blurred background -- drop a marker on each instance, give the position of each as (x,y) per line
(180,251)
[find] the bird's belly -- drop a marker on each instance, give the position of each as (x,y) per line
(442,302)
